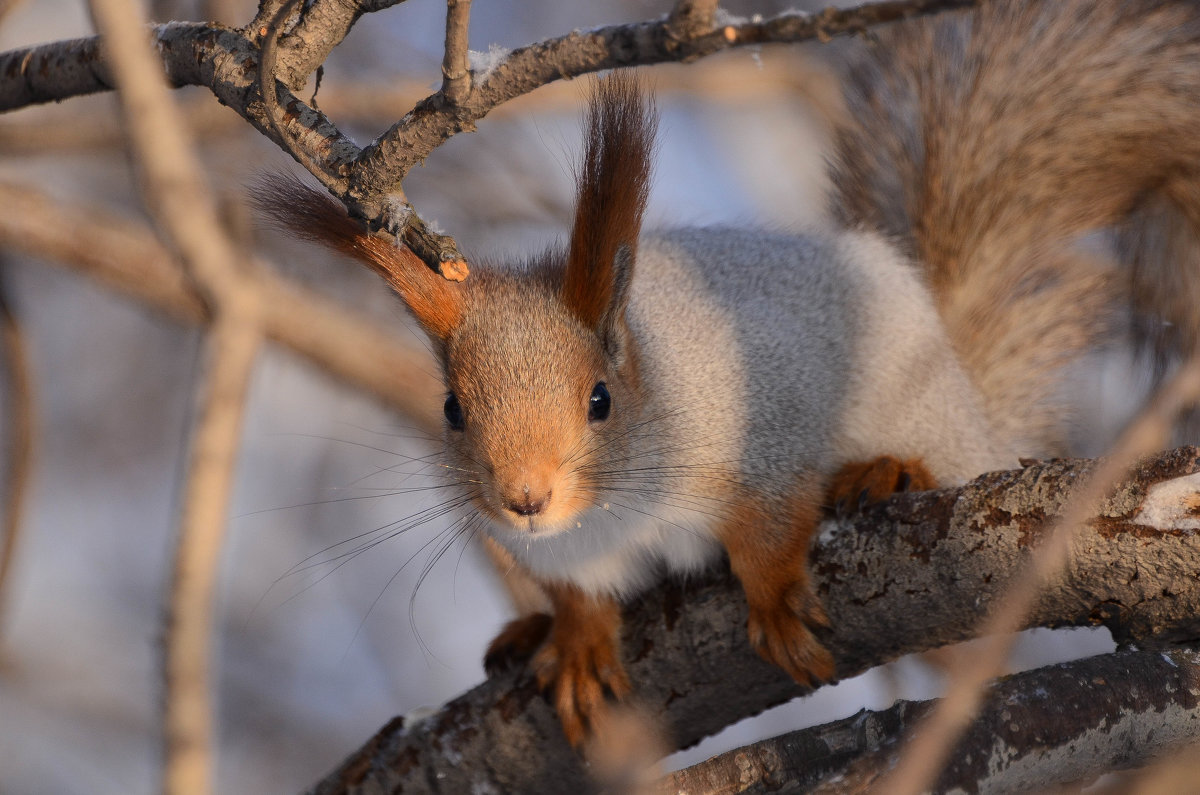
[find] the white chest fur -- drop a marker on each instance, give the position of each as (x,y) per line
(619,548)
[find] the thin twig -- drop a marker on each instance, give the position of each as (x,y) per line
(456,70)
(933,740)
(21,421)
(369,180)
(180,199)
(690,18)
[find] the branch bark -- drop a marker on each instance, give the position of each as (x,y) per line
(918,572)
(1052,726)
(456,71)
(928,751)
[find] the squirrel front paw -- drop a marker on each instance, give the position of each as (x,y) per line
(781,633)
(859,484)
(517,642)
(579,672)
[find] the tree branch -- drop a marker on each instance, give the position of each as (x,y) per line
(691,18)
(456,71)
(369,180)
(920,764)
(883,579)
(385,162)
(1038,729)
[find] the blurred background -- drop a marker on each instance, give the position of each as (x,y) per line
(314,654)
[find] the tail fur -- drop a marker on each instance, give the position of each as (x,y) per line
(991,145)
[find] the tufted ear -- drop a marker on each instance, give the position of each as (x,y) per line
(435,302)
(613,185)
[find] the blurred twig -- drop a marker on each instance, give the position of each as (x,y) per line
(126,257)
(21,420)
(7,6)
(179,198)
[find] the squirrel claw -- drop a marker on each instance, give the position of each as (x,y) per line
(579,677)
(517,642)
(781,633)
(781,637)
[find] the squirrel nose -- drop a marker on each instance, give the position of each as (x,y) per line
(526,503)
(529,507)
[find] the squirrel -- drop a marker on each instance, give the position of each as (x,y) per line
(640,400)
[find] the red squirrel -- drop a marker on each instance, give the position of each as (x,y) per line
(644,400)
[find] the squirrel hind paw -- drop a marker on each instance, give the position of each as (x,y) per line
(859,484)
(517,642)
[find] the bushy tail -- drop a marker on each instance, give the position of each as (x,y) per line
(1007,149)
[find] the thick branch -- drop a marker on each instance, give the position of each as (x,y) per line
(970,672)
(884,582)
(1052,726)
(321,27)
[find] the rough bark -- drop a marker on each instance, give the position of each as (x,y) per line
(1052,726)
(915,573)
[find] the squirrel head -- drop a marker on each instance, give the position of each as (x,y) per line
(540,364)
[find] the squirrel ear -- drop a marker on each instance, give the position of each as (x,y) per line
(614,184)
(435,302)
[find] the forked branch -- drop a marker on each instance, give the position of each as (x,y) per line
(369,180)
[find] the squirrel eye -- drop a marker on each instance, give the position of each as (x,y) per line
(453,411)
(599,404)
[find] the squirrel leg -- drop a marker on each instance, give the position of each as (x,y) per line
(768,553)
(517,642)
(581,663)
(859,484)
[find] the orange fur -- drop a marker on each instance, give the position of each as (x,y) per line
(582,658)
(768,552)
(435,302)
